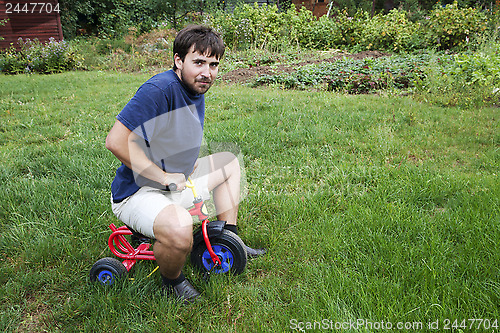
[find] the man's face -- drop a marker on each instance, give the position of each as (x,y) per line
(197,71)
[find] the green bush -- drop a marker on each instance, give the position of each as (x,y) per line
(350,27)
(240,28)
(33,56)
(112,18)
(392,32)
(10,62)
(2,23)
(321,34)
(467,80)
(481,68)
(253,26)
(451,27)
(264,25)
(297,22)
(147,52)
(261,26)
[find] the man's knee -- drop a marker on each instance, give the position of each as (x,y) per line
(224,166)
(173,227)
(229,162)
(228,156)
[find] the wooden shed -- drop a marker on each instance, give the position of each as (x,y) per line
(318,7)
(29,19)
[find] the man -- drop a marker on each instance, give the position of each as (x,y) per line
(157,137)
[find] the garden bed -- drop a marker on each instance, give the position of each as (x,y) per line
(247,75)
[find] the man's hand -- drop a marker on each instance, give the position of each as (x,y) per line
(178,179)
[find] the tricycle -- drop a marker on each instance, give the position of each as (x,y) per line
(215,249)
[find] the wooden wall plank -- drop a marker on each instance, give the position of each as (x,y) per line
(39,22)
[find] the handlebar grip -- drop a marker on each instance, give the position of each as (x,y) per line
(172,187)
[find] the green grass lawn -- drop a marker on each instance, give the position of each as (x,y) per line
(373,209)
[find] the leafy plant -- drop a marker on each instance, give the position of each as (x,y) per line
(392,32)
(479,68)
(355,76)
(350,27)
(451,27)
(261,26)
(321,34)
(298,21)
(467,80)
(34,56)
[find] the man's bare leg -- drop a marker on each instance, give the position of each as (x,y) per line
(173,229)
(224,181)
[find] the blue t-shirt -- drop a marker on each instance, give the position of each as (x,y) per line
(169,118)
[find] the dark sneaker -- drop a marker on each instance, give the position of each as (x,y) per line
(184,292)
(252,253)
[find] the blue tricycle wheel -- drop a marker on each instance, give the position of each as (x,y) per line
(225,256)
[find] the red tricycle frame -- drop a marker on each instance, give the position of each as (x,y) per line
(122,248)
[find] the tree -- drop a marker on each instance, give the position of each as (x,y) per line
(113,17)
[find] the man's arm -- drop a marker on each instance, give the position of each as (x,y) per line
(124,144)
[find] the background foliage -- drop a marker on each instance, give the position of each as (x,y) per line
(449,27)
(112,18)
(453,27)
(392,32)
(468,79)
(355,76)
(33,56)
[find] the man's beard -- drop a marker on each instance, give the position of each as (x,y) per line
(193,88)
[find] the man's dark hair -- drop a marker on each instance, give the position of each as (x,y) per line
(204,39)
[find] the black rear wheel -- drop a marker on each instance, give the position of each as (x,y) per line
(107,270)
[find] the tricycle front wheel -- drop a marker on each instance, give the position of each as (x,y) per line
(228,247)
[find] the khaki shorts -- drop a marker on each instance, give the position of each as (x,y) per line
(139,211)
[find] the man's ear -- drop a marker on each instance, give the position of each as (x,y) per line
(178,61)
